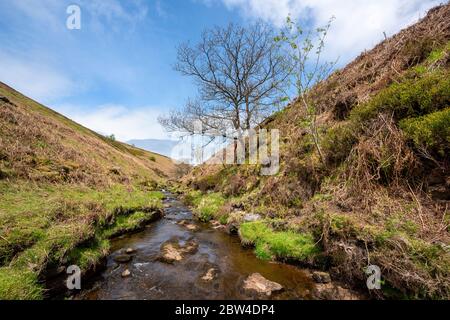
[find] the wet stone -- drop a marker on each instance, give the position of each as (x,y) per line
(256,283)
(210,275)
(321,277)
(188,225)
(172,251)
(330,291)
(122,258)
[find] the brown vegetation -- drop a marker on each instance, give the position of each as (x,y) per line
(381,197)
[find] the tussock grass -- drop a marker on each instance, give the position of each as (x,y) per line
(381,195)
(283,245)
(206,206)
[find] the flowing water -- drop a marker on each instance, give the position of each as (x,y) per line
(152,279)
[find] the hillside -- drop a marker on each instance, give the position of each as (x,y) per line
(64,191)
(381,197)
(163,147)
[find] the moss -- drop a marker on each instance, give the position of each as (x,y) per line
(263,251)
(409,98)
(30,214)
(431,132)
(278,244)
(341,224)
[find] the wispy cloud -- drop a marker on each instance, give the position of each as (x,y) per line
(359,24)
(124,122)
(46,61)
(35,80)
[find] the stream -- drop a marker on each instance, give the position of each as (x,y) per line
(153,279)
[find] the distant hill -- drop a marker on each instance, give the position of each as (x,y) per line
(40,144)
(163,147)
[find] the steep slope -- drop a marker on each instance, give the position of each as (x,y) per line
(381,196)
(39,144)
(64,191)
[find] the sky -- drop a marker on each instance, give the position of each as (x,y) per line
(115,74)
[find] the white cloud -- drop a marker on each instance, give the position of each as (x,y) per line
(35,80)
(359,24)
(124,122)
(103,14)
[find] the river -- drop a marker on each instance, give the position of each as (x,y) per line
(153,279)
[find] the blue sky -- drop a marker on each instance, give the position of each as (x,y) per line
(115,74)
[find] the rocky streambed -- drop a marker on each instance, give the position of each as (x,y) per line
(181,258)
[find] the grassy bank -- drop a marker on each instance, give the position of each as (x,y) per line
(49,225)
(380,195)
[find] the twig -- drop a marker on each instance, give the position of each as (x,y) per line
(5,239)
(419,208)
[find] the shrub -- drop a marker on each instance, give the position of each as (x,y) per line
(412,97)
(431,131)
(338,142)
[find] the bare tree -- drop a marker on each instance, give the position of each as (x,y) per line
(240,74)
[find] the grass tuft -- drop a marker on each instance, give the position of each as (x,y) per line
(270,244)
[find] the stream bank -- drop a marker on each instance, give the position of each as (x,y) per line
(179,257)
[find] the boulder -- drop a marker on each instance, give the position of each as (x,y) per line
(188,225)
(130,251)
(330,291)
(256,283)
(321,277)
(122,258)
(172,251)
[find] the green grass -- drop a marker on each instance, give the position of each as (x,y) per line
(438,54)
(271,244)
(41,224)
(18,284)
(206,206)
(411,97)
(128,224)
(88,256)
